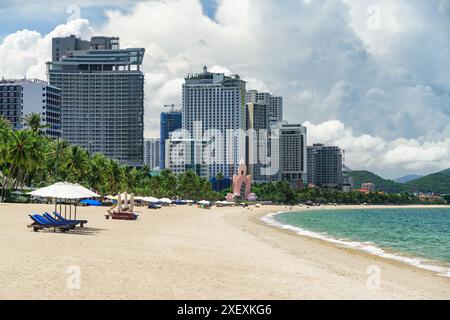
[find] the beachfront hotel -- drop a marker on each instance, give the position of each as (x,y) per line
(25,96)
(151,152)
(325,166)
(217,102)
(102,96)
(291,153)
(258,146)
(273,103)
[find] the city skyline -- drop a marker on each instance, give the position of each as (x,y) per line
(367,91)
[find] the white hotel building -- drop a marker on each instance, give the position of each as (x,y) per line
(21,97)
(217,102)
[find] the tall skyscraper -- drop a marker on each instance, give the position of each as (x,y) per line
(292,152)
(102,96)
(21,97)
(169,122)
(215,103)
(325,166)
(258,141)
(151,152)
(274,103)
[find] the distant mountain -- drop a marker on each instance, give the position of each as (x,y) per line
(437,183)
(433,183)
(386,185)
(408,178)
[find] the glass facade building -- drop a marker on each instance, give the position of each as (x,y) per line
(102,96)
(169,122)
(325,166)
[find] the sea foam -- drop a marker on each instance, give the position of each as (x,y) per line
(367,247)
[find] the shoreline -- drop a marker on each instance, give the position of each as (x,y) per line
(434,266)
(191,253)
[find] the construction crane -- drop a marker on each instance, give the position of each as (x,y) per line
(172,106)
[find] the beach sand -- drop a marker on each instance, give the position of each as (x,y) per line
(191,253)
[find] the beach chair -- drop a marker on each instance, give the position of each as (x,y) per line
(39,223)
(62,219)
(68,222)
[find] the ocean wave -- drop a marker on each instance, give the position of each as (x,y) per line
(367,247)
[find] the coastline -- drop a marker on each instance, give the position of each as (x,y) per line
(371,248)
(192,253)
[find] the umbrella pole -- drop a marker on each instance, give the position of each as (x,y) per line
(75,211)
(56,205)
(60,208)
(70,208)
(65,206)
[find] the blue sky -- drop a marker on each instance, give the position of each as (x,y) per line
(368,75)
(43,16)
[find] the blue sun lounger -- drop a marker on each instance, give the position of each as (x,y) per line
(39,223)
(51,219)
(62,219)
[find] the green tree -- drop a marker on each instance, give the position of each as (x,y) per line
(33,123)
(76,164)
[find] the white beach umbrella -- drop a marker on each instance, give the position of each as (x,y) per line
(189,201)
(165,200)
(64,190)
(204,202)
(87,193)
(151,199)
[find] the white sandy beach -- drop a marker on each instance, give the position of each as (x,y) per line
(191,253)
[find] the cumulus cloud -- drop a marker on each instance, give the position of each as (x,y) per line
(386,88)
(393,158)
(24,53)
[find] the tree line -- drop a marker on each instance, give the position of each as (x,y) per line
(282,192)
(30,159)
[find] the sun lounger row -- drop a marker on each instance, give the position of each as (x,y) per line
(46,221)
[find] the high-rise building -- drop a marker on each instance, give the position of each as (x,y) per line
(274,103)
(325,166)
(215,104)
(169,122)
(102,96)
(186,154)
(292,153)
(258,144)
(21,97)
(151,152)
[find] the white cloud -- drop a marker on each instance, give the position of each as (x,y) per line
(25,52)
(392,158)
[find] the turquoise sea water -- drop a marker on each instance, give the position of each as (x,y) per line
(416,236)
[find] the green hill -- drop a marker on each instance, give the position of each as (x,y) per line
(386,185)
(434,183)
(437,182)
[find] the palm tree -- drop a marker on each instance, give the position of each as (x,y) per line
(21,156)
(97,168)
(33,123)
(5,130)
(115,176)
(57,156)
(76,163)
